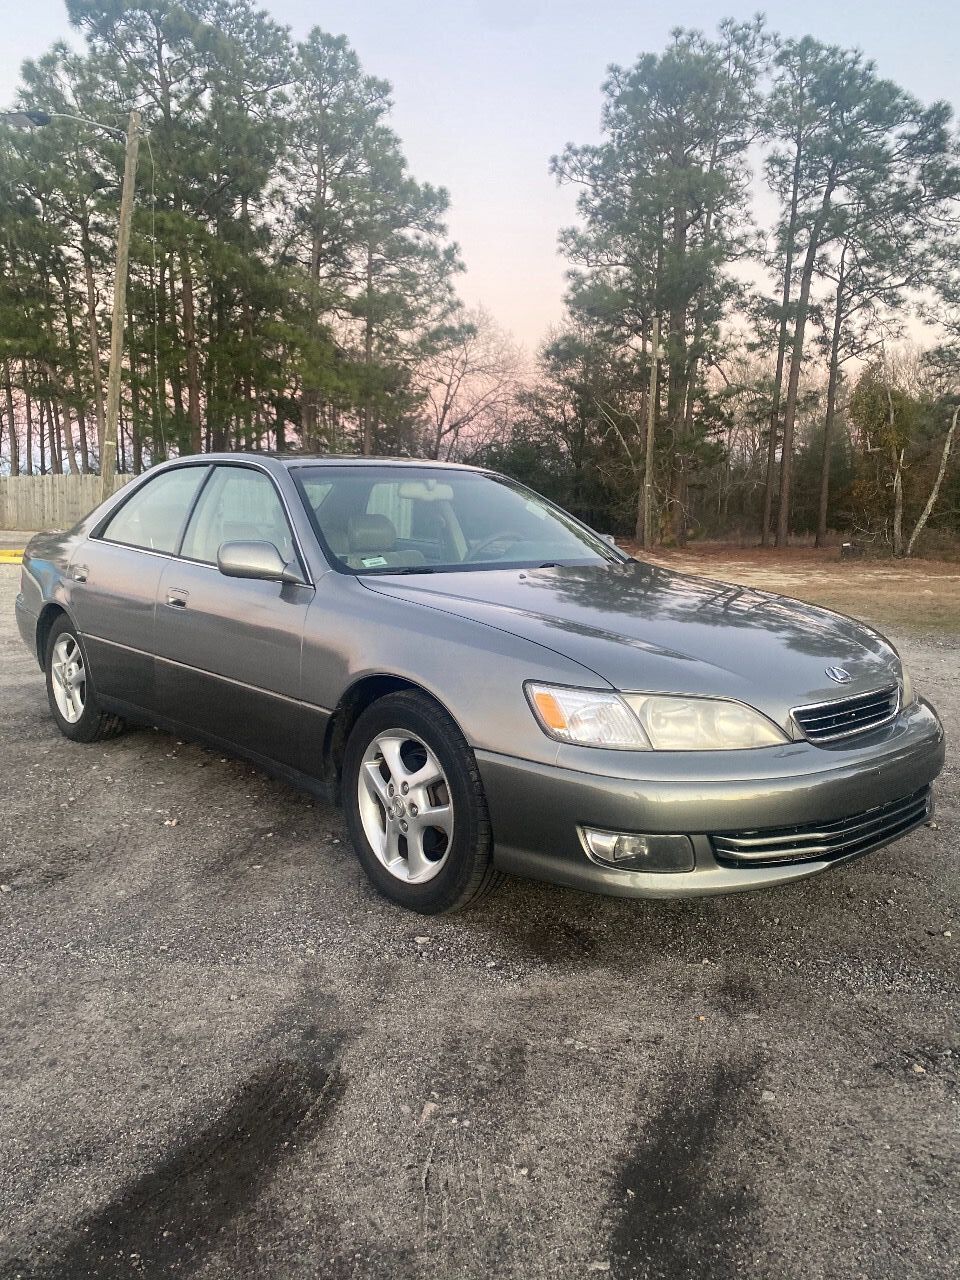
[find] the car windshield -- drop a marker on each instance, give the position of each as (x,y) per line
(404,519)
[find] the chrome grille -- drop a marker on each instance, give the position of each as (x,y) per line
(824,841)
(827,721)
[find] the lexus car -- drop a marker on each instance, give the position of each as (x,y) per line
(484,683)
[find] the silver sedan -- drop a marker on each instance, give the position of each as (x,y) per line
(483,682)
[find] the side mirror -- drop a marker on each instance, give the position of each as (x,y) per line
(609,539)
(260,560)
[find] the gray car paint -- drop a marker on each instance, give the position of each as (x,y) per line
(642,628)
(248,691)
(267,670)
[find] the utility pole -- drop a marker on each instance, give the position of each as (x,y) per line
(647,507)
(108,445)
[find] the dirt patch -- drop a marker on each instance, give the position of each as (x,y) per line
(919,594)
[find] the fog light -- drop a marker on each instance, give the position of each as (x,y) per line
(628,852)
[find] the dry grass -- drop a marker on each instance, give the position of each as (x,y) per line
(921,594)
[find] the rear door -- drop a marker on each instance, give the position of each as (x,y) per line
(115,577)
(228,649)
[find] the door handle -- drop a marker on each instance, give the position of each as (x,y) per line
(79,573)
(176,598)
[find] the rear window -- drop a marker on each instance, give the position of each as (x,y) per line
(153,518)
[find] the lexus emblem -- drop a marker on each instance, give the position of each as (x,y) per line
(838,675)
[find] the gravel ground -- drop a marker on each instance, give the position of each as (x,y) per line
(224,1056)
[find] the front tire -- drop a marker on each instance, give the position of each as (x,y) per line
(415,806)
(70,691)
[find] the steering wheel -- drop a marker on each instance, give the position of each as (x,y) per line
(505,536)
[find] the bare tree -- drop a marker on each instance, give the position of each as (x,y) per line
(468,386)
(935,491)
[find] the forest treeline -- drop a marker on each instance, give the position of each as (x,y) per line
(761,331)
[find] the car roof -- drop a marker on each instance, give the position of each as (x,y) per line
(290,460)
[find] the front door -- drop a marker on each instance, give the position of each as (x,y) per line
(228,649)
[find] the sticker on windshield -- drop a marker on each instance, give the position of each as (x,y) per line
(373,562)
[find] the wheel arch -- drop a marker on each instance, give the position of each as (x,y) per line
(45,624)
(362,694)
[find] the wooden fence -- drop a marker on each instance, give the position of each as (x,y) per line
(48,502)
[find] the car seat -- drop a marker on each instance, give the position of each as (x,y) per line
(373,538)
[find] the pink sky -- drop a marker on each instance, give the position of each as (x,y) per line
(487,90)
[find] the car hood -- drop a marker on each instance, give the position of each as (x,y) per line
(643,628)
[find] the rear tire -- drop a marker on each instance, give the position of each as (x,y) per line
(70,690)
(415,806)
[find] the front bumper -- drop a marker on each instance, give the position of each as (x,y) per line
(536,809)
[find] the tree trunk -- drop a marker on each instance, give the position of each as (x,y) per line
(310,407)
(677,382)
(645,532)
(898,504)
(94,335)
(136,401)
(781,348)
(192,361)
(897,455)
(158,389)
(251,426)
(699,322)
(790,409)
(64,437)
(310,395)
(334,429)
(832,384)
(41,436)
(796,361)
(176,382)
(29,410)
(11,421)
(217,421)
(77,380)
(56,466)
(368,361)
(935,491)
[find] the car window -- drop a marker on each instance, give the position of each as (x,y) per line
(316,491)
(387,499)
(422,519)
(152,518)
(238,505)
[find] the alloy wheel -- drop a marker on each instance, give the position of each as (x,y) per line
(69,678)
(405,805)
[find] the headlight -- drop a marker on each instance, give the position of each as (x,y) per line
(907,695)
(637,722)
(702,724)
(588,717)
